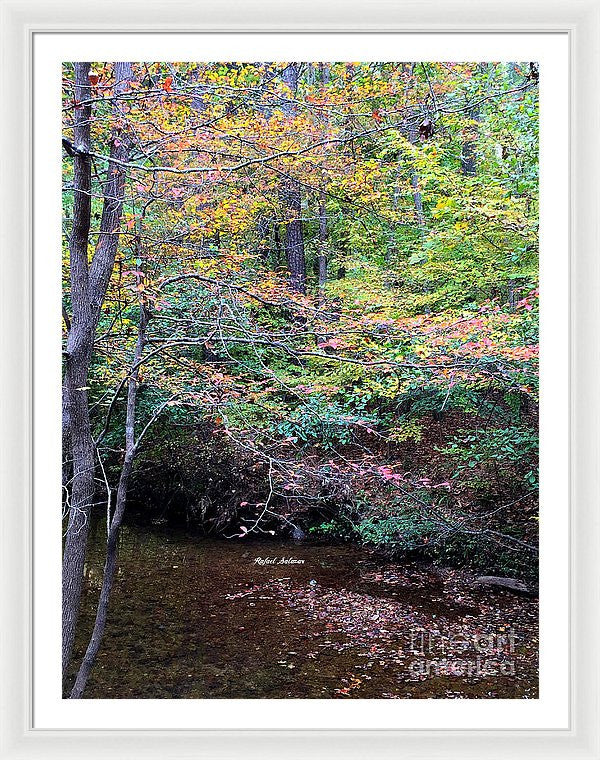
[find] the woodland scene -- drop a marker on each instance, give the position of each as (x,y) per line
(300,379)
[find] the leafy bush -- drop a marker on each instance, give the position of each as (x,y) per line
(404,531)
(515,446)
(323,422)
(336,528)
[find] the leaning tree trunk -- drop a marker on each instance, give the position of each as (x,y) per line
(88,289)
(113,191)
(112,546)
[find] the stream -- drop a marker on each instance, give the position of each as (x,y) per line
(242,618)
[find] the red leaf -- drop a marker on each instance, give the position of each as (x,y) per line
(166,85)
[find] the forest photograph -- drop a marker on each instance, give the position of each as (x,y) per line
(300,345)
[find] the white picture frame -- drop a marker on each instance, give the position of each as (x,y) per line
(20,21)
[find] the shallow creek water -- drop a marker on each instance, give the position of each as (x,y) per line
(200,618)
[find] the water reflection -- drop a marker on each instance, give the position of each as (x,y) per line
(197,618)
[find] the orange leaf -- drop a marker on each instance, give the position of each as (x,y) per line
(166,85)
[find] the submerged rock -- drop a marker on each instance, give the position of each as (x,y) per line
(510,584)
(298,534)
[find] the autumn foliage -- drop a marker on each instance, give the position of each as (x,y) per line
(390,396)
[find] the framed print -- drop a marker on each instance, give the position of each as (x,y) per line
(300,422)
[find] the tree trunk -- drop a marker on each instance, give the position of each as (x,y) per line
(112,546)
(88,289)
(418,199)
(77,362)
(113,189)
(277,241)
(322,255)
(263,239)
(294,240)
(512,295)
(468,157)
(414,181)
(391,250)
(292,202)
